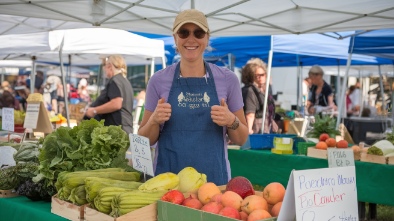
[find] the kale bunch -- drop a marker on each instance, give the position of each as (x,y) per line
(36,191)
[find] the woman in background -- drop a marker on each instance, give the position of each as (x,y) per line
(116,101)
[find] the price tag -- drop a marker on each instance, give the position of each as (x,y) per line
(340,157)
(141,154)
(7,122)
(31,117)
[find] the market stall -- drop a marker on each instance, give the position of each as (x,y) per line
(374,181)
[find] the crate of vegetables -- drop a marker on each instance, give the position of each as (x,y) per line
(381,152)
(66,209)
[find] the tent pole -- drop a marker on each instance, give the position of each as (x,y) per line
(267,84)
(163,61)
(64,83)
(33,74)
(341,102)
(300,87)
(381,88)
(152,64)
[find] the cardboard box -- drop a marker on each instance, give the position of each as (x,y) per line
(8,193)
(170,212)
(66,209)
(376,159)
(147,213)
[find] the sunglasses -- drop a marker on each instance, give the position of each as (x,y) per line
(198,33)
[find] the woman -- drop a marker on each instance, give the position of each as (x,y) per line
(191,106)
(116,101)
(321,96)
(254,76)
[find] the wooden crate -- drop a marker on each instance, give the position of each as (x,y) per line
(317,153)
(147,213)
(377,159)
(8,193)
(66,209)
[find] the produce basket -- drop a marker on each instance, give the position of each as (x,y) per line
(302,147)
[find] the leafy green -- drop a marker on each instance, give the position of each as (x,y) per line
(324,124)
(88,146)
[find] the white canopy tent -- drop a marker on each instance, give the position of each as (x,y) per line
(225,17)
(95,42)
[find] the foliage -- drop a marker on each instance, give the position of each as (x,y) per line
(88,146)
(324,124)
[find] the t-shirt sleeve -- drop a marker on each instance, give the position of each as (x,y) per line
(152,95)
(113,90)
(250,102)
(234,100)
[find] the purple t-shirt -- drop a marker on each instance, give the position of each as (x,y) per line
(227,87)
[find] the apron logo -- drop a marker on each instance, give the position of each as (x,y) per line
(193,100)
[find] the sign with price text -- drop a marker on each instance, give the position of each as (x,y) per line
(140,154)
(7,122)
(338,157)
(321,194)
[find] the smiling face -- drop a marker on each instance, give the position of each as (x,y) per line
(191,48)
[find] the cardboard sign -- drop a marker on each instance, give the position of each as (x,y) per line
(7,121)
(37,118)
(31,117)
(340,157)
(321,194)
(141,154)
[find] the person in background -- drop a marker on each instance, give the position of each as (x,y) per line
(321,95)
(51,86)
(83,91)
(21,94)
(60,98)
(8,100)
(191,107)
(355,99)
(254,77)
(38,82)
(116,100)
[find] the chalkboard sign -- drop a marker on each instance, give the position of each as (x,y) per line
(141,154)
(321,194)
(7,119)
(338,157)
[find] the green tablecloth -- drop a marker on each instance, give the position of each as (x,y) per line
(21,208)
(375,182)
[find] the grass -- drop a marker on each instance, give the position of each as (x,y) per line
(384,213)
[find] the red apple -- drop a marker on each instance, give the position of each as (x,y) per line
(173,196)
(192,203)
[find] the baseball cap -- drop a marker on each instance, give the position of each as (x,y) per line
(190,16)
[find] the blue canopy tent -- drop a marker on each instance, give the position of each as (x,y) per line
(285,50)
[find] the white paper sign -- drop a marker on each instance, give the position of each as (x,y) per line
(7,121)
(31,117)
(321,194)
(141,154)
(340,157)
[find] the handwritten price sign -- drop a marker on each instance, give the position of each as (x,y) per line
(141,154)
(340,157)
(326,194)
(7,122)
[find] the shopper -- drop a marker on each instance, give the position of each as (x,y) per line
(116,101)
(192,105)
(321,96)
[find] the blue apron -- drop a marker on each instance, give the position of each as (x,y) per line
(190,137)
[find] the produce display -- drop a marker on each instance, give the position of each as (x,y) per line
(88,146)
(238,201)
(382,148)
